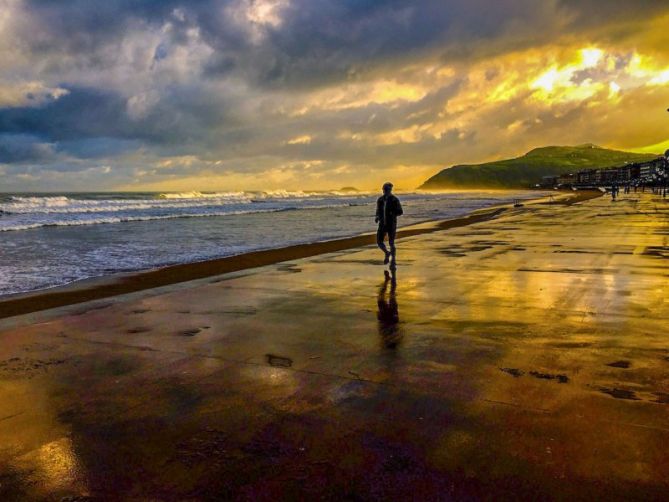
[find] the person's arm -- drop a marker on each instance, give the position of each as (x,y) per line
(399,209)
(378,212)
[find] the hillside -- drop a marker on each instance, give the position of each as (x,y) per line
(526,171)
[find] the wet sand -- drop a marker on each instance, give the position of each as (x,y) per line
(521,356)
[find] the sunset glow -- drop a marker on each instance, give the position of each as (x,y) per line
(251,94)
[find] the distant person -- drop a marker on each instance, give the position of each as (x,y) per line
(388,208)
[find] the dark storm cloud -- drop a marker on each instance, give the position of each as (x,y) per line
(20,148)
(98,147)
(92,122)
(199,77)
(320,40)
(82,113)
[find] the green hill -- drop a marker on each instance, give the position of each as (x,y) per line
(526,171)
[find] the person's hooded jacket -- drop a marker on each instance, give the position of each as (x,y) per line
(388,208)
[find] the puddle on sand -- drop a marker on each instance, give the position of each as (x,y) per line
(620,364)
(619,393)
(281,362)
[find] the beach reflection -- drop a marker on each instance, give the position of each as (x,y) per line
(388,313)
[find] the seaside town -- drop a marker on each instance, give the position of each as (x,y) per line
(652,174)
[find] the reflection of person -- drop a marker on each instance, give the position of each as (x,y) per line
(388,208)
(388,314)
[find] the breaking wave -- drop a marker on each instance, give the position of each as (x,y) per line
(29,212)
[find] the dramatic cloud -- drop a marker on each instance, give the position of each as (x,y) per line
(234,94)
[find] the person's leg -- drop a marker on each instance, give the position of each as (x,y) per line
(392,230)
(380,236)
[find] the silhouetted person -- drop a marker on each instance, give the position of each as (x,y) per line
(388,314)
(388,208)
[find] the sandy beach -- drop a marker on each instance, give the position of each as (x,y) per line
(517,353)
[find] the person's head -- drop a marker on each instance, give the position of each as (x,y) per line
(387,188)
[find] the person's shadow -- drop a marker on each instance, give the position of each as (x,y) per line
(388,314)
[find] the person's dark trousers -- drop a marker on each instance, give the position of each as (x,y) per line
(390,230)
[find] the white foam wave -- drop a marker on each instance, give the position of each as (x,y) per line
(123,219)
(164,201)
(29,205)
(10,226)
(268,194)
(204,195)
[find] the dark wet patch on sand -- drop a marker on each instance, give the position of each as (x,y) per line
(657,251)
(140,311)
(619,393)
(27,367)
(473,234)
(515,372)
(189,332)
(620,364)
(490,243)
(241,311)
(662,397)
(279,361)
(289,267)
(549,376)
(569,270)
(479,248)
(139,329)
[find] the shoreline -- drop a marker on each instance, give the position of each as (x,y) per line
(115,285)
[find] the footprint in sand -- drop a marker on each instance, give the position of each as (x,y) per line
(140,329)
(190,332)
(620,364)
(549,376)
(282,362)
(515,372)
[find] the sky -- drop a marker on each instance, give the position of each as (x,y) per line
(227,95)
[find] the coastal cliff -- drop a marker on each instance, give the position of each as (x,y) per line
(526,170)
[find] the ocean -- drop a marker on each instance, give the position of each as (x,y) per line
(48,240)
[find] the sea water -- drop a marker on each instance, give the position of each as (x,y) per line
(48,240)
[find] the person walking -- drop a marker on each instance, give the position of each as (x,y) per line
(388,208)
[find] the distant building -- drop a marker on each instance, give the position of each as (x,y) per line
(548,181)
(567,180)
(653,172)
(586,177)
